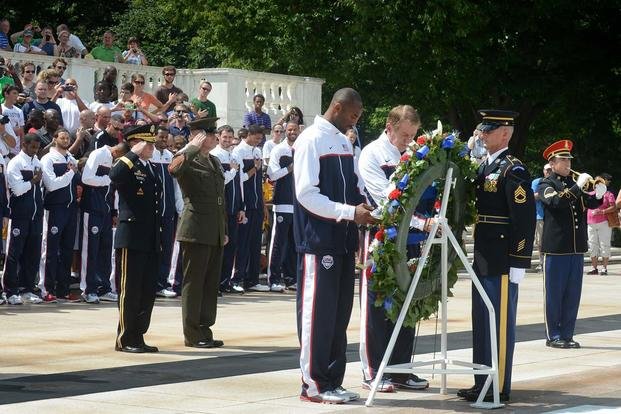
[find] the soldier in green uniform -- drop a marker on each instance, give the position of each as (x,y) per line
(201,232)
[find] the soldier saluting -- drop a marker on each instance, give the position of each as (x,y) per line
(503,243)
(201,232)
(137,238)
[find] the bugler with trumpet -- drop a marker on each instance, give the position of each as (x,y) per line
(589,184)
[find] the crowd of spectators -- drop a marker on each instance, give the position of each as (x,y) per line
(40,104)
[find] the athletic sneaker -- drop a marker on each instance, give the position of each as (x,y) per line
(109,297)
(30,297)
(90,298)
(166,293)
(49,298)
(604,272)
(2,298)
(593,272)
(412,383)
(327,397)
(259,288)
(277,287)
(350,395)
(293,286)
(15,300)
(383,386)
(237,289)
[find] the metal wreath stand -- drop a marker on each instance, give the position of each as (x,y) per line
(447,366)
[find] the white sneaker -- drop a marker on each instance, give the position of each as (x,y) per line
(165,293)
(327,397)
(30,297)
(2,298)
(90,298)
(383,386)
(15,300)
(412,383)
(259,288)
(109,297)
(293,286)
(276,287)
(238,289)
(350,395)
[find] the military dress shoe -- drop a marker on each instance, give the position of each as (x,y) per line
(214,343)
(489,397)
(131,349)
(464,391)
(556,343)
(149,348)
(570,343)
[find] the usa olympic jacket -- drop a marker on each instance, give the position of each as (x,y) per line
(98,197)
(281,157)
(565,209)
(171,198)
(253,186)
(59,181)
(233,188)
(378,161)
(327,189)
(4,195)
(26,199)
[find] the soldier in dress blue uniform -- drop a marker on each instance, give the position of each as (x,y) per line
(564,243)
(137,238)
(503,243)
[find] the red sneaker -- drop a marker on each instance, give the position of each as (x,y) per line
(49,298)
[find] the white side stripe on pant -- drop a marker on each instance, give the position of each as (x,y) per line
(308,307)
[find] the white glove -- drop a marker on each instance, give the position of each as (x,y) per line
(600,190)
(516,274)
(583,179)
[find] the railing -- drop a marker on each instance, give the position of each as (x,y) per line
(232,91)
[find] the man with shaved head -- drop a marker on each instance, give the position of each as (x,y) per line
(330,202)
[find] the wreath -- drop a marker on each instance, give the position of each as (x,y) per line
(424,164)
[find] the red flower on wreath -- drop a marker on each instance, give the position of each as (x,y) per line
(405,157)
(379,236)
(422,140)
(394,194)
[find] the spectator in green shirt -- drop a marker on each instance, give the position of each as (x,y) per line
(107,51)
(203,107)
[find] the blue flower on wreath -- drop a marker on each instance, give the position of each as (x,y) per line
(393,206)
(403,182)
(464,151)
(422,152)
(448,142)
(391,232)
(388,303)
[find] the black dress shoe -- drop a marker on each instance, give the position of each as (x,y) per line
(572,344)
(214,343)
(556,343)
(131,349)
(149,348)
(489,397)
(462,393)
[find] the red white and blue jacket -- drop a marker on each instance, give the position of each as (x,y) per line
(253,186)
(59,181)
(233,187)
(327,189)
(26,199)
(281,156)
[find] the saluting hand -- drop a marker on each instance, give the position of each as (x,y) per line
(139,148)
(363,214)
(198,140)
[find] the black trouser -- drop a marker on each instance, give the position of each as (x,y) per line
(136,281)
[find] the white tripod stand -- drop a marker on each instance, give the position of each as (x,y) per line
(459,367)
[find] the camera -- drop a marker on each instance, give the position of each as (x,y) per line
(134,50)
(130,106)
(48,38)
(4,119)
(68,88)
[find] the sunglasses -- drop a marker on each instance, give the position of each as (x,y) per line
(70,84)
(29,71)
(51,82)
(169,74)
(139,82)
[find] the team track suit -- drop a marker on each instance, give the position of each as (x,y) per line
(327,188)
(234,196)
(248,257)
(282,255)
(378,161)
(171,207)
(97,210)
(25,225)
(59,222)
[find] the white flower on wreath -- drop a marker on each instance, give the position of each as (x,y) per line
(374,245)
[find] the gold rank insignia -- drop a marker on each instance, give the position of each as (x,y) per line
(519,196)
(140,192)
